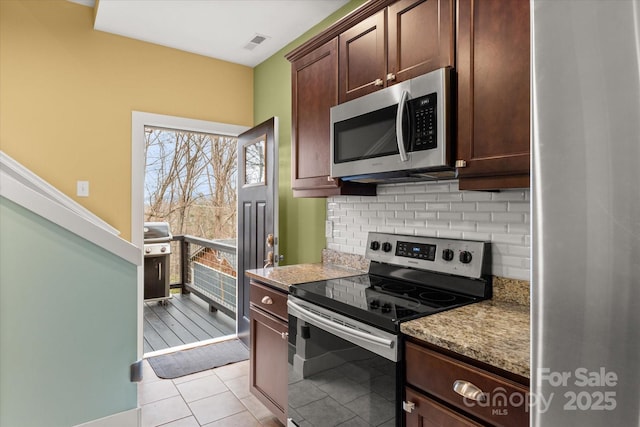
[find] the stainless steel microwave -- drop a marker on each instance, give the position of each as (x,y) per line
(400,133)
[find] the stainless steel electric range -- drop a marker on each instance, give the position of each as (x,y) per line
(344,334)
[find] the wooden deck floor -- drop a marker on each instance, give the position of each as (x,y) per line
(185,319)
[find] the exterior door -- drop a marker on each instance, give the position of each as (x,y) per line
(257,210)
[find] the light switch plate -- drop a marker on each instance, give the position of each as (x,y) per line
(82,189)
(328,228)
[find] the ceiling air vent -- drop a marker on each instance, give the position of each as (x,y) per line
(255,41)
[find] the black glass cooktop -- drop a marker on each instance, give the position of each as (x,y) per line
(379,301)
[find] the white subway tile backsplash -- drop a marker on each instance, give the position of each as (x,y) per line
(450,234)
(438,206)
(507,196)
(473,235)
(456,216)
(463,225)
(415,206)
(492,227)
(437,188)
(394,206)
(519,228)
(438,209)
(449,197)
(519,207)
(508,217)
(408,214)
(426,197)
(463,207)
(438,224)
(476,216)
(405,198)
(427,215)
(475,196)
(491,206)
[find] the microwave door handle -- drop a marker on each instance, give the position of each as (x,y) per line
(399,133)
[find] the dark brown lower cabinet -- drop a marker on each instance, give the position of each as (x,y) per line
(268,360)
(437,380)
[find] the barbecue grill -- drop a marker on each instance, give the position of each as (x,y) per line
(157,253)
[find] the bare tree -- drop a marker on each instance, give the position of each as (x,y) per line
(191,182)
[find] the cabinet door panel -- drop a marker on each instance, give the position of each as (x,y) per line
(420,37)
(429,413)
(493,88)
(269,368)
(314,93)
(362,58)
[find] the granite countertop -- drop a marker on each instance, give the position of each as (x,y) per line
(283,277)
(495,332)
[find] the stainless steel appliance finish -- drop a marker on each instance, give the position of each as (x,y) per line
(157,251)
(586,213)
(345,349)
(399,133)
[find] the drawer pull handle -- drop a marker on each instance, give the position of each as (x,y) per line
(267,300)
(469,391)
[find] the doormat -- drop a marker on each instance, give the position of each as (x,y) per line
(198,359)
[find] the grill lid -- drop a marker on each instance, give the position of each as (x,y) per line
(157,232)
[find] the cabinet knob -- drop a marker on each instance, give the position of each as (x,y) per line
(391,77)
(267,300)
(285,335)
(408,406)
(469,391)
(378,82)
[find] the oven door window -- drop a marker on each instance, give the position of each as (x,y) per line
(332,381)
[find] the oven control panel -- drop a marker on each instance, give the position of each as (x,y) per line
(469,258)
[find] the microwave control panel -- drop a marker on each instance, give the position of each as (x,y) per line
(424,130)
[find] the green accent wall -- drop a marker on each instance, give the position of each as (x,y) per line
(67,325)
(301,230)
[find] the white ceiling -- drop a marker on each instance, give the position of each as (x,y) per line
(216,28)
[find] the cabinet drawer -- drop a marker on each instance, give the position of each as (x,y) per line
(502,402)
(269,300)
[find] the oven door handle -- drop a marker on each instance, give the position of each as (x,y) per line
(306,315)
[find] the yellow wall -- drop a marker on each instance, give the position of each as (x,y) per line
(67,92)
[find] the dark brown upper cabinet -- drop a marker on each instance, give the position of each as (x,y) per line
(314,79)
(402,41)
(493,63)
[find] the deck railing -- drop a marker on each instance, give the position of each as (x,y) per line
(208,269)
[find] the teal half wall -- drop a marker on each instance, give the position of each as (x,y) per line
(67,325)
(301,230)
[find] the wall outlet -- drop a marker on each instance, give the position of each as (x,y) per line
(82,189)
(328,228)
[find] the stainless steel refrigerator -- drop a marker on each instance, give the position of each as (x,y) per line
(586,213)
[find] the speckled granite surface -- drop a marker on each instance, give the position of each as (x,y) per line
(329,256)
(283,277)
(493,331)
(511,290)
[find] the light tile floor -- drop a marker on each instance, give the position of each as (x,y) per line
(215,398)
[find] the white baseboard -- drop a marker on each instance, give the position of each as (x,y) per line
(131,418)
